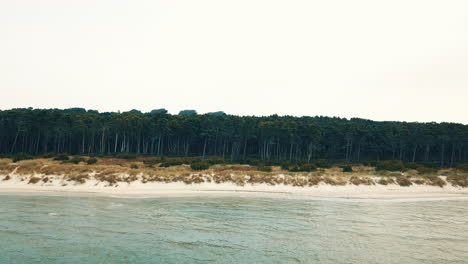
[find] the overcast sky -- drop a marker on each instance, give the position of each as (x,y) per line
(382,60)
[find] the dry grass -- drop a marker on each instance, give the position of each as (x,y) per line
(361,180)
(335,181)
(29,166)
(363,169)
(458,180)
(5,162)
(34,180)
(418,181)
(234,167)
(388,173)
(436,181)
(79,177)
(114,170)
(403,181)
(386,181)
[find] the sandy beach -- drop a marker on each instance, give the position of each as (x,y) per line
(180,189)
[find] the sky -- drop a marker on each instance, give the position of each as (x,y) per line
(404,60)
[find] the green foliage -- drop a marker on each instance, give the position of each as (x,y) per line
(188,113)
(214,161)
(285,165)
(253,162)
(307,167)
(430,164)
(412,165)
(463,167)
(322,163)
(75,160)
(158,111)
(91,161)
(200,165)
(389,165)
(133,166)
(75,110)
(425,170)
(126,156)
(265,168)
(219,113)
(21,156)
(48,155)
(62,157)
(347,168)
(151,162)
(174,162)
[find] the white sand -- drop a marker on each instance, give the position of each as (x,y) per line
(156,189)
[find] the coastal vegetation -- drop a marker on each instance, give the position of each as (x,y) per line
(113,171)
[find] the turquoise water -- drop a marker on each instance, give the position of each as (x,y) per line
(55,229)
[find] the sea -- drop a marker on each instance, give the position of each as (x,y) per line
(91,229)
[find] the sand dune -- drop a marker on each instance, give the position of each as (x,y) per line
(18,184)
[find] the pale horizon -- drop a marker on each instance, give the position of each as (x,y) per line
(383,61)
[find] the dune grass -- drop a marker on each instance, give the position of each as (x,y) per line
(114,170)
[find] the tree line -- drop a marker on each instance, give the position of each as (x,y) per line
(236,138)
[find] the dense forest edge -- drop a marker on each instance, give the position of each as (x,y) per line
(266,140)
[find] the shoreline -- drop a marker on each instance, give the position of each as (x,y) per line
(179,189)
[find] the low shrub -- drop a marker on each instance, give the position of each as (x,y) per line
(307,167)
(7,178)
(418,181)
(334,181)
(48,155)
(458,180)
(412,165)
(133,166)
(425,170)
(434,180)
(62,157)
(126,156)
(253,162)
(75,160)
(347,168)
(170,163)
(34,180)
(214,161)
(285,165)
(403,181)
(91,161)
(361,180)
(265,168)
(463,167)
(151,162)
(81,178)
(430,164)
(203,165)
(389,165)
(314,180)
(383,181)
(21,156)
(322,163)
